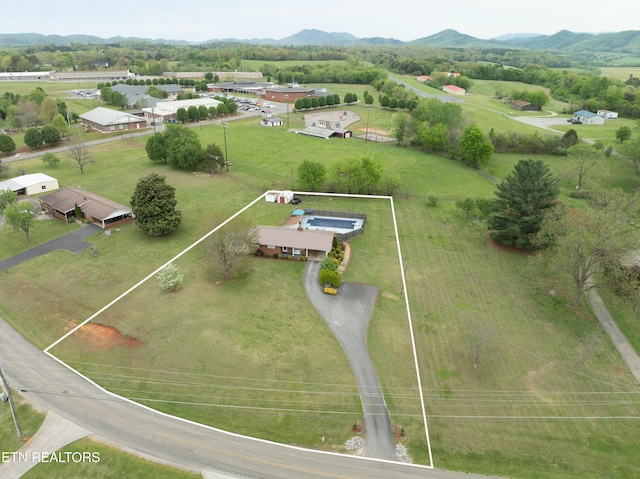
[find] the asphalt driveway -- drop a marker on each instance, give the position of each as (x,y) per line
(73,242)
(347,314)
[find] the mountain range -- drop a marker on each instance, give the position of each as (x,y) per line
(627,42)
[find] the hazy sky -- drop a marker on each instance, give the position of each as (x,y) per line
(201,20)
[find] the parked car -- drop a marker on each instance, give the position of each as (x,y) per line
(296,200)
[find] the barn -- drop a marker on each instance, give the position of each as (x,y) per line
(454,90)
(30,184)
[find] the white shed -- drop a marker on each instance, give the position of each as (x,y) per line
(271,196)
(285,197)
(30,184)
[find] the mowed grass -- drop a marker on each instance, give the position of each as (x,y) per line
(110,464)
(29,419)
(540,368)
(252,355)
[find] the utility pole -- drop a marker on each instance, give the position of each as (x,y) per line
(7,391)
(225,125)
(366,136)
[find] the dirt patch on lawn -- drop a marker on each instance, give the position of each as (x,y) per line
(104,337)
(375,131)
(510,249)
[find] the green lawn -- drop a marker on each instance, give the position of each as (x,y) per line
(251,355)
(106,463)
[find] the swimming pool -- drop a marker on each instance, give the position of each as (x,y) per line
(323,222)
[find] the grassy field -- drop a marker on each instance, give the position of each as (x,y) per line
(548,399)
(112,464)
(30,420)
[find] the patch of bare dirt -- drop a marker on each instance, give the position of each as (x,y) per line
(510,249)
(105,337)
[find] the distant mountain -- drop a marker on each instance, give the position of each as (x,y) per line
(558,41)
(507,37)
(627,42)
(453,39)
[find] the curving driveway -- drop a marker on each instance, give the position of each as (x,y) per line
(347,314)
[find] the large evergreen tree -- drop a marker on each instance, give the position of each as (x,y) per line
(154,205)
(522,199)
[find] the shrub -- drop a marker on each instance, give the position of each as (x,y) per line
(326,276)
(433,200)
(170,277)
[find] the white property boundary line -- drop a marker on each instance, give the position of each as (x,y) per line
(193,245)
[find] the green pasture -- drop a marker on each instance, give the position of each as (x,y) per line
(620,72)
(252,355)
(256,65)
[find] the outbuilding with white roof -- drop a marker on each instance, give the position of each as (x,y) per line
(31,184)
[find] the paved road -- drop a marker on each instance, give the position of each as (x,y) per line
(51,386)
(347,315)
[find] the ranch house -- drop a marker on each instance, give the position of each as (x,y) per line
(274,240)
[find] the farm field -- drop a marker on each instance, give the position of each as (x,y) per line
(543,402)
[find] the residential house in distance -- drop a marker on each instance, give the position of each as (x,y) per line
(608,114)
(98,210)
(588,118)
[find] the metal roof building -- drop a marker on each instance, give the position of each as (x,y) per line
(106,120)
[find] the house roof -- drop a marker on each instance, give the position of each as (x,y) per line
(453,88)
(584,113)
(66,199)
(105,116)
(520,103)
(294,238)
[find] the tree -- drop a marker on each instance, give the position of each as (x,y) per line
(50,135)
(578,247)
(400,127)
(192,113)
(25,112)
(48,110)
(623,133)
(156,148)
(182,115)
(154,206)
(212,159)
(7,197)
(20,217)
(585,157)
(475,150)
(222,109)
(60,124)
(183,147)
(51,160)
(467,206)
(7,145)
(231,246)
(79,153)
(522,200)
(33,138)
(311,175)
(434,139)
